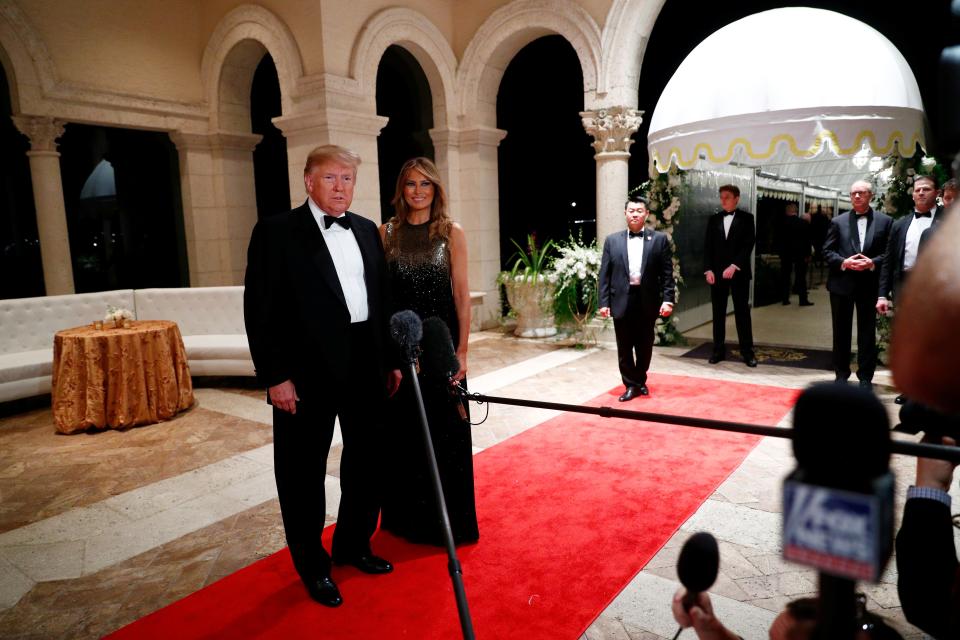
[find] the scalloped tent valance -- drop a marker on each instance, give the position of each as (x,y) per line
(802,92)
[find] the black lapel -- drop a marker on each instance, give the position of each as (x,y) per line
(855,233)
(623,248)
(647,246)
(316,247)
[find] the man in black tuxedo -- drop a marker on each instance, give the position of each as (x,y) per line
(636,285)
(314,310)
(727,253)
(855,251)
(904,242)
(908,235)
(795,248)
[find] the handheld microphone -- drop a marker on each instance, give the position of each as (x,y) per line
(439,360)
(438,357)
(407,331)
(838,502)
(697,567)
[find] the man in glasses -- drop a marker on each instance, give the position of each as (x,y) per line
(855,250)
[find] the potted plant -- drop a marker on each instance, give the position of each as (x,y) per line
(530,287)
(578,287)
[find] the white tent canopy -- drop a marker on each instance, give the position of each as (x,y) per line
(801,92)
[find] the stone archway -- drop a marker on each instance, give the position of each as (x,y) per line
(220,206)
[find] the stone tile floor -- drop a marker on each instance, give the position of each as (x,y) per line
(97,530)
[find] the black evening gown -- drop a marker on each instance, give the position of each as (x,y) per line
(420,281)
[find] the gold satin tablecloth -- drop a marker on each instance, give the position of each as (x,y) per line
(119,378)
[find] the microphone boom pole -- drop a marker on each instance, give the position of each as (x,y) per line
(407,330)
(919,450)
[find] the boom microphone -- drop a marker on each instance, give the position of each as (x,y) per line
(697,567)
(438,357)
(407,331)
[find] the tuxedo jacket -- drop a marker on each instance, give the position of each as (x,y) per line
(843,241)
(892,275)
(295,312)
(720,252)
(656,273)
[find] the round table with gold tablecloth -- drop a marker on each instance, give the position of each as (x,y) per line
(119,377)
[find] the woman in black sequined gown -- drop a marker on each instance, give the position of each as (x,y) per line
(427,261)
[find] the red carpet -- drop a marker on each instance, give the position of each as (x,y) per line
(569,512)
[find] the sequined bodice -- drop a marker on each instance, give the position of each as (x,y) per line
(420,273)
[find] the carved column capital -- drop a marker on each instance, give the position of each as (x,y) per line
(42,131)
(612,127)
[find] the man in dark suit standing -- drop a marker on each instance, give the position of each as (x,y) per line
(908,234)
(727,253)
(315,315)
(855,251)
(795,248)
(636,285)
(904,242)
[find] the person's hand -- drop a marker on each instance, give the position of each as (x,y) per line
(284,396)
(666,309)
(700,616)
(711,279)
(393,382)
(858,262)
(729,272)
(462,373)
(604,312)
(883,306)
(933,473)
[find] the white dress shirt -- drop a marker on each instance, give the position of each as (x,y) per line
(912,245)
(727,221)
(862,229)
(635,256)
(347,261)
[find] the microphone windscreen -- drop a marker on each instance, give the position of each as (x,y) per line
(699,562)
(438,357)
(406,328)
(841,436)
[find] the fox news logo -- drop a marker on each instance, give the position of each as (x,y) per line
(835,531)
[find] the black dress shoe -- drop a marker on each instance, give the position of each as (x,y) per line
(642,390)
(368,563)
(866,384)
(840,380)
(324,591)
(630,394)
(900,399)
(750,360)
(715,358)
(785,302)
(806,303)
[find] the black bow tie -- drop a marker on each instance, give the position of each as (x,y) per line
(635,234)
(728,213)
(341,220)
(917,214)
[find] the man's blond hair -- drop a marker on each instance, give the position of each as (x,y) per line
(331,153)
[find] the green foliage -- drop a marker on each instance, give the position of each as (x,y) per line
(531,263)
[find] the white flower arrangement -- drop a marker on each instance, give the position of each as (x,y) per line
(117,313)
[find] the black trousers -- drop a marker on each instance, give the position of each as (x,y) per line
(635,334)
(841,311)
(739,289)
(799,268)
(301,445)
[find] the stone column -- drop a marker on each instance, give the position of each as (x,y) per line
(219,204)
(470,158)
(355,131)
(48,201)
(611,128)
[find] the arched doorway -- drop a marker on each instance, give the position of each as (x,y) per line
(403,96)
(547,173)
(121,191)
(19,240)
(270,155)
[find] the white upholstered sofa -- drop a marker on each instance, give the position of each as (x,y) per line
(210,321)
